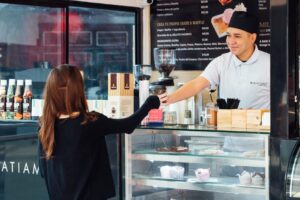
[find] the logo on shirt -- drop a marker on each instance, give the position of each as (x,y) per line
(261,84)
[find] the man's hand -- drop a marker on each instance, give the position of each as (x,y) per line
(164,99)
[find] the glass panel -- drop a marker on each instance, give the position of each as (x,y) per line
(293,173)
(31,42)
(173,164)
(293,177)
(101,41)
(20,177)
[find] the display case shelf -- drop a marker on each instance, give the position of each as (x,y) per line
(223,185)
(224,159)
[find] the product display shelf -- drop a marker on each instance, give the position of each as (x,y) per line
(224,185)
(224,159)
(197,128)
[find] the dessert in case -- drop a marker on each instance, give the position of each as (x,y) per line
(245,178)
(257,178)
(175,172)
(173,149)
(202,174)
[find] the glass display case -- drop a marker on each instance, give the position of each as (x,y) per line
(192,162)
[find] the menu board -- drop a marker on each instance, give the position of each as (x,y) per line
(197,28)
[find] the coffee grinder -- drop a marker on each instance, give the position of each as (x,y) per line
(165,61)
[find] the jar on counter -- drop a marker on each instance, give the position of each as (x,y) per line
(211,114)
(170,117)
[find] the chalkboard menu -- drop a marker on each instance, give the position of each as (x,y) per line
(197,28)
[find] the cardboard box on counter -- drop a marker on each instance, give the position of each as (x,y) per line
(239,118)
(254,117)
(242,118)
(120,84)
(120,95)
(266,120)
(224,118)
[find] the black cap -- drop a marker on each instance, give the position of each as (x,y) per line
(244,21)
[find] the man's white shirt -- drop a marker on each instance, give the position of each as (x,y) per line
(248,81)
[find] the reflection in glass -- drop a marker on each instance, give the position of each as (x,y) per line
(31,42)
(101,41)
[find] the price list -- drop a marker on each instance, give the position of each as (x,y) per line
(197,28)
(264,26)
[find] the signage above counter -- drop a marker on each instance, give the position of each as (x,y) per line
(197,28)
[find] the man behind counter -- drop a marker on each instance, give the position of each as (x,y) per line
(242,73)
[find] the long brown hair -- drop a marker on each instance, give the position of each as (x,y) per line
(63,94)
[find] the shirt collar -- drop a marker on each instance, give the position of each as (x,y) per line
(251,60)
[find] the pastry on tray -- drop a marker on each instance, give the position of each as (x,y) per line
(173,149)
(179,149)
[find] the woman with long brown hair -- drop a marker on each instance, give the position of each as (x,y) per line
(72,152)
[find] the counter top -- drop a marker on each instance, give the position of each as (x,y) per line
(206,129)
(16,123)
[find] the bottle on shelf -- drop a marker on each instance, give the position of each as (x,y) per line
(27,100)
(10,99)
(3,84)
(18,101)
